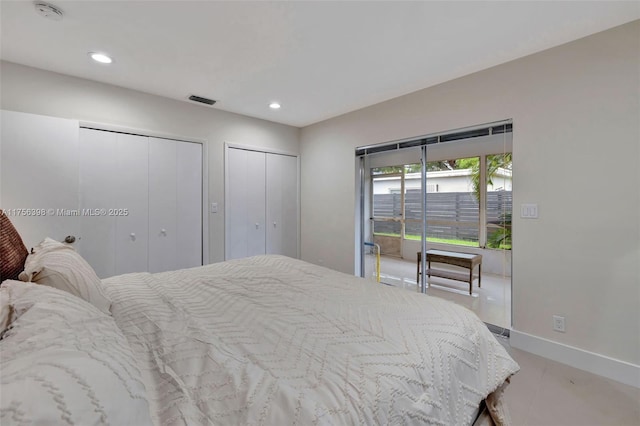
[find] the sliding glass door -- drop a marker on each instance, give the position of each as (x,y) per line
(445,197)
(392,224)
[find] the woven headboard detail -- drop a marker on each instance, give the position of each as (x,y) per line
(12,250)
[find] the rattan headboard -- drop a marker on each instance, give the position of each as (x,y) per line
(12,250)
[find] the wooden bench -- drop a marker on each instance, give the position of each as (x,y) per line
(463,260)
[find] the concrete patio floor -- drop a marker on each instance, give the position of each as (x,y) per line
(492,302)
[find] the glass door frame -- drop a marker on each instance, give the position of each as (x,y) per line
(459,149)
(393,219)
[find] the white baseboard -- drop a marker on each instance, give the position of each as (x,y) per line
(611,368)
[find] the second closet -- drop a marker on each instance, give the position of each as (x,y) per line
(262,203)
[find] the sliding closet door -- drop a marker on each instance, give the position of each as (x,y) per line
(245,198)
(113,200)
(98,192)
(189,207)
(151,192)
(162,205)
(132,229)
(175,205)
(282,205)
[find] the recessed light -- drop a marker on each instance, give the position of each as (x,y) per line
(100,57)
(274,105)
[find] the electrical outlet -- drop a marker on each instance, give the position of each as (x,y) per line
(558,323)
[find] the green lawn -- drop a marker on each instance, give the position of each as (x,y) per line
(432,240)
(442,240)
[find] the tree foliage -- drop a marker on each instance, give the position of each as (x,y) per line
(409,168)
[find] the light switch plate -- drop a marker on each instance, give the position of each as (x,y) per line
(529,211)
(214,207)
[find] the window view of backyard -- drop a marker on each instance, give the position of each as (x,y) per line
(456,202)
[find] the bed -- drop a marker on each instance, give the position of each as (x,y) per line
(267,340)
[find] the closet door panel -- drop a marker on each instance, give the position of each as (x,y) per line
(189,207)
(245,203)
(132,228)
(39,170)
(98,193)
(282,205)
(256,203)
(162,204)
(236,232)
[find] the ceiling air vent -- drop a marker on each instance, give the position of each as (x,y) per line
(201,100)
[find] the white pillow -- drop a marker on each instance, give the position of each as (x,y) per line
(62,361)
(58,265)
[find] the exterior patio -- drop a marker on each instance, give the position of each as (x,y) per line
(492,302)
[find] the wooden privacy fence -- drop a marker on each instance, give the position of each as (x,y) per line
(443,208)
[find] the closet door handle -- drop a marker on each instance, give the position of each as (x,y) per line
(163,232)
(274,224)
(133,236)
(257,225)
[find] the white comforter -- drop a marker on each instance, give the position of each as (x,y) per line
(273,341)
(64,362)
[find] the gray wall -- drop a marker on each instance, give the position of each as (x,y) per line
(35,91)
(575,112)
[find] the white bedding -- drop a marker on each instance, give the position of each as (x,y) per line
(64,362)
(273,341)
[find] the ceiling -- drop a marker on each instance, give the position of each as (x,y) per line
(318,59)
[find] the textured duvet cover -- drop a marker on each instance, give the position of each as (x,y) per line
(271,340)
